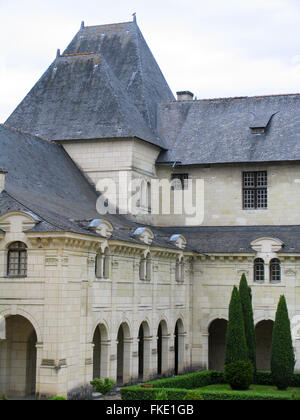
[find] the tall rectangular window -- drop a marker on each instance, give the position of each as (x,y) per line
(255,190)
(180,181)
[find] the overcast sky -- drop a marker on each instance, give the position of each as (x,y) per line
(214,48)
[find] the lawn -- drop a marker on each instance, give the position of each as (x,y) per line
(260,389)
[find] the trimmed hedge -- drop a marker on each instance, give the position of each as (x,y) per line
(178,387)
(133,393)
(240,396)
(265,378)
(191,381)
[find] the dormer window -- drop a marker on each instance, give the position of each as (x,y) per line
(255,190)
(260,123)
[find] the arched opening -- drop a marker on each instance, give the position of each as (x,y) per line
(162,348)
(144,351)
(217,344)
(123,355)
(18,360)
(179,347)
(100,353)
(264,332)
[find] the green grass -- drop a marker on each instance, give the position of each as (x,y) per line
(260,389)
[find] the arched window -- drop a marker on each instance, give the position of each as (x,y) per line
(275,271)
(143,269)
(180,271)
(146,268)
(106,264)
(103,265)
(259,270)
(17,260)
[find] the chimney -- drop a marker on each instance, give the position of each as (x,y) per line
(185,96)
(2,180)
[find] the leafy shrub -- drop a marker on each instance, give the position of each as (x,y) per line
(58,399)
(83,393)
(104,387)
(283,357)
(4,397)
(161,396)
(194,396)
(239,375)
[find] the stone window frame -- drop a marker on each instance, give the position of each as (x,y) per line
(180,182)
(255,190)
(19,249)
(146,268)
(103,264)
(179,270)
(259,271)
(275,271)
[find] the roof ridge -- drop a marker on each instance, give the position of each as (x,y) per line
(18,130)
(138,32)
(107,24)
(234,98)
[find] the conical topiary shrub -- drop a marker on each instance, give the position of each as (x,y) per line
(246,301)
(236,345)
(283,357)
(238,371)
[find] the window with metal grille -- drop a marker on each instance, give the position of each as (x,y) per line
(259,270)
(17,260)
(275,271)
(255,190)
(180,181)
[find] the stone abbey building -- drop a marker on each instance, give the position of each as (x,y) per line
(135,297)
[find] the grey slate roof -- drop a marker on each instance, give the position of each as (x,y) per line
(106,85)
(218,130)
(43,179)
(235,239)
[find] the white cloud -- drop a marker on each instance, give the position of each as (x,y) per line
(214,48)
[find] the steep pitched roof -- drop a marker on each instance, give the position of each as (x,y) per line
(106,85)
(224,130)
(132,62)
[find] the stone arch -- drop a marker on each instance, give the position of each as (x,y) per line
(7,313)
(216,343)
(18,357)
(263,333)
(179,344)
(162,347)
(124,344)
(144,350)
(100,352)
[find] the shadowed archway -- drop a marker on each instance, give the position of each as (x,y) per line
(217,344)
(18,358)
(264,332)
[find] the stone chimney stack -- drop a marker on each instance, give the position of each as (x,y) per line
(185,96)
(2,179)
